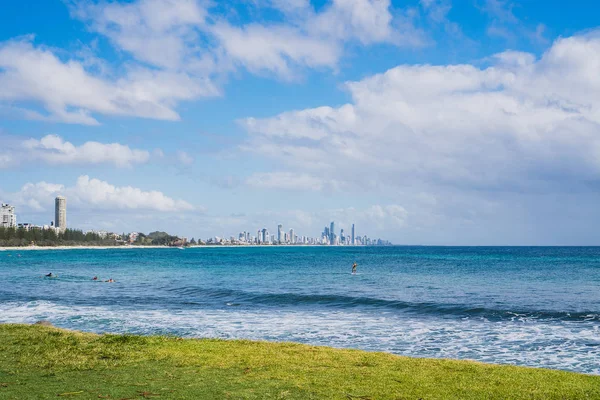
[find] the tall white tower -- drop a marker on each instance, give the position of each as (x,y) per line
(60,213)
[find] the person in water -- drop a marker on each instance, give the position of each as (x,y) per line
(354,268)
(95,278)
(49,275)
(110,280)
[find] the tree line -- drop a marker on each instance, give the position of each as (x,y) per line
(14,237)
(18,237)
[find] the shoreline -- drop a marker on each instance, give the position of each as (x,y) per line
(46,362)
(35,248)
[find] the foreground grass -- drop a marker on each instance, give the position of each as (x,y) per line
(38,362)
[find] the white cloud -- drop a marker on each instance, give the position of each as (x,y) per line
(394,215)
(6,160)
(70,93)
(286,180)
(36,196)
(179,49)
(316,38)
(185,158)
(505,24)
(94,194)
(54,150)
(189,35)
(375,220)
(275,48)
(158,32)
(101,194)
(519,124)
(368,21)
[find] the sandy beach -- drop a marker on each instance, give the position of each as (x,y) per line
(24,248)
(147,247)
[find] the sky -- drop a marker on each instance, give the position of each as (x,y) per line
(436,122)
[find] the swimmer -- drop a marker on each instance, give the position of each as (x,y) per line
(111,280)
(354,268)
(49,275)
(95,278)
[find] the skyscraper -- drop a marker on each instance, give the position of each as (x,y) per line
(291,236)
(353,236)
(8,218)
(332,233)
(60,213)
(279,233)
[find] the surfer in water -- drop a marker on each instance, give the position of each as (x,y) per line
(354,268)
(49,275)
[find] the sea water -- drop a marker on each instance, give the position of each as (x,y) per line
(530,306)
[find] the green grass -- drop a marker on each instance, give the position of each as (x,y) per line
(38,362)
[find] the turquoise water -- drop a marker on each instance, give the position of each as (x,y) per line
(508,305)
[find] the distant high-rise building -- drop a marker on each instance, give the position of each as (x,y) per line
(332,233)
(8,218)
(265,235)
(60,213)
(292,241)
(353,236)
(279,233)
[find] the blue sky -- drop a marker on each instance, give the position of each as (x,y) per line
(422,121)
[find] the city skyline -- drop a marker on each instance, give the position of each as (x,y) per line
(263,237)
(327,237)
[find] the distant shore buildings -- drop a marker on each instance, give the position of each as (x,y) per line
(327,238)
(8,218)
(60,213)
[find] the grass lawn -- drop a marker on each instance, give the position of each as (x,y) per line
(38,362)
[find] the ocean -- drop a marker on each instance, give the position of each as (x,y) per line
(534,306)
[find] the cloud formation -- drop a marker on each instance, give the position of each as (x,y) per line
(70,93)
(52,149)
(158,32)
(506,25)
(520,123)
(288,181)
(94,194)
(178,49)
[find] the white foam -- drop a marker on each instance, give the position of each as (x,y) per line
(552,344)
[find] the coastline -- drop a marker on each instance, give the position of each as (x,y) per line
(43,361)
(34,248)
(30,248)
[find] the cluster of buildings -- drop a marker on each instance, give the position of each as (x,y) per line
(328,237)
(8,217)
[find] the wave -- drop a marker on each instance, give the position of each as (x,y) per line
(240,297)
(193,297)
